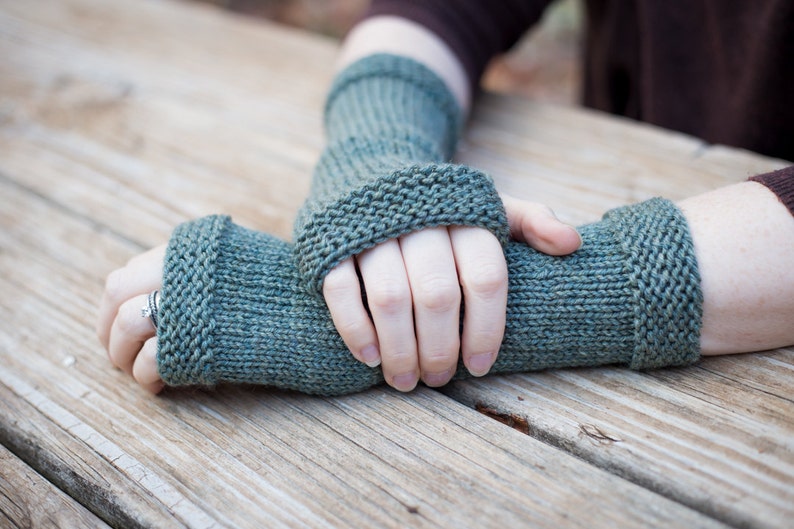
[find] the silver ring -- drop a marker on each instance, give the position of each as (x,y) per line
(152,307)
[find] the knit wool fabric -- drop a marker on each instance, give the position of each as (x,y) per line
(234,308)
(391,124)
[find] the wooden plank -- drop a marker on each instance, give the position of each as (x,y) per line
(29,500)
(72,197)
(250,457)
(716,437)
(51,256)
(148,107)
(109,135)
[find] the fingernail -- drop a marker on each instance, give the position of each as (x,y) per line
(405,382)
(371,356)
(437,379)
(480,364)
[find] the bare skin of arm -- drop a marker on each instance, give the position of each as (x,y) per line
(744,242)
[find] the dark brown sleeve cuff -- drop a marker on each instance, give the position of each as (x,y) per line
(781,183)
(475,30)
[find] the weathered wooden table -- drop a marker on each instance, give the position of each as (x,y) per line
(119,120)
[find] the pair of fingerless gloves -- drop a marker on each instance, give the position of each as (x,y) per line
(240,306)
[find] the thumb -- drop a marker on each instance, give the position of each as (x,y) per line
(536,225)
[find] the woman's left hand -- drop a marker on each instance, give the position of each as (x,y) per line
(126,333)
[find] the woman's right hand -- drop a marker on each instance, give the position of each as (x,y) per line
(415,286)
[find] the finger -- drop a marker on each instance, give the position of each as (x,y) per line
(141,275)
(389,298)
(128,333)
(342,292)
(482,272)
(435,291)
(144,369)
(536,225)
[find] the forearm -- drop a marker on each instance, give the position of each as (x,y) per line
(399,36)
(744,242)
(392,124)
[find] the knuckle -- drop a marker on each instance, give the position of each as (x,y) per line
(486,279)
(444,346)
(441,351)
(114,284)
(128,318)
(335,285)
(389,297)
(437,294)
(398,361)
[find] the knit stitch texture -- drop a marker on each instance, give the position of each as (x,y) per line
(234,308)
(391,125)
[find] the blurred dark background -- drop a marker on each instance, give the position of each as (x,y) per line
(544,66)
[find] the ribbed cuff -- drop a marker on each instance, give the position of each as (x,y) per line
(664,276)
(407,200)
(185,331)
(233,310)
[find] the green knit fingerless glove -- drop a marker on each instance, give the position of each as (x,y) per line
(234,309)
(391,124)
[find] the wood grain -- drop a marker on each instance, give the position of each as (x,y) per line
(119,120)
(29,500)
(705,437)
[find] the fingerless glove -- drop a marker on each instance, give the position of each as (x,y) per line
(391,125)
(234,308)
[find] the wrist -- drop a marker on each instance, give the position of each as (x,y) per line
(407,200)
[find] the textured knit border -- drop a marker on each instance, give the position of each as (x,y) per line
(664,272)
(417,197)
(186,323)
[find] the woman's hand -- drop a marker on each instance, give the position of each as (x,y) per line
(415,286)
(130,338)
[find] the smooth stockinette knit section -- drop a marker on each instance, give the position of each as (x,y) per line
(391,124)
(234,309)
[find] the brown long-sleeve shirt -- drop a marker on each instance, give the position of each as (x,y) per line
(721,70)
